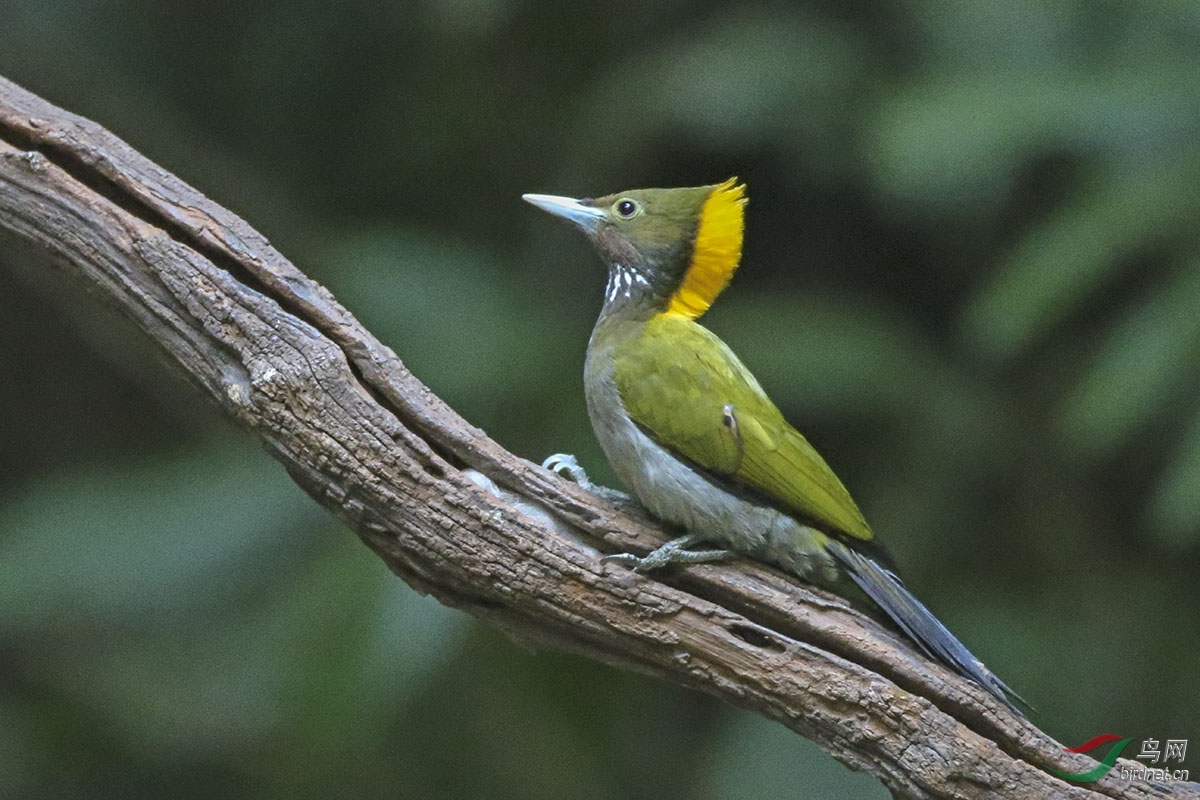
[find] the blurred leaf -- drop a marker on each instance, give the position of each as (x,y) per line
(472,17)
(145,543)
(742,78)
(1146,361)
(1063,262)
(1174,512)
(360,645)
(21,762)
(326,655)
(998,35)
(457,317)
(764,760)
(190,691)
(955,141)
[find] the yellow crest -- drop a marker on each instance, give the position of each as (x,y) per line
(717,251)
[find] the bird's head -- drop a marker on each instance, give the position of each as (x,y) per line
(667,250)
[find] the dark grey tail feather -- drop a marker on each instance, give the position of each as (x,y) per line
(886,590)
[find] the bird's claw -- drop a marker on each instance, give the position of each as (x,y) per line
(673,552)
(567,465)
(636,563)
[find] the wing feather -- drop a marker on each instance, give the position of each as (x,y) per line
(689,391)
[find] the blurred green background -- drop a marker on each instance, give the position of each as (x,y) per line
(971,275)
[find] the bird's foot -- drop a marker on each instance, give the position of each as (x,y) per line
(567,465)
(673,552)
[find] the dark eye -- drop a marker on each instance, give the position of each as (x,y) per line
(627,208)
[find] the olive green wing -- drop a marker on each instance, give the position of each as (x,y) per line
(692,395)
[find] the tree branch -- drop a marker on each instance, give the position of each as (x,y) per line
(367,440)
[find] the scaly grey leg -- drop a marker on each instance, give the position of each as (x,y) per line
(673,552)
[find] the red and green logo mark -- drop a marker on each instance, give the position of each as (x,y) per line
(1100,770)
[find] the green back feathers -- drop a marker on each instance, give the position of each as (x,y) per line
(692,395)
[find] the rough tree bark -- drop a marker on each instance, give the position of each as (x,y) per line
(367,440)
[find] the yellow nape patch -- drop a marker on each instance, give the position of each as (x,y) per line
(717,251)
